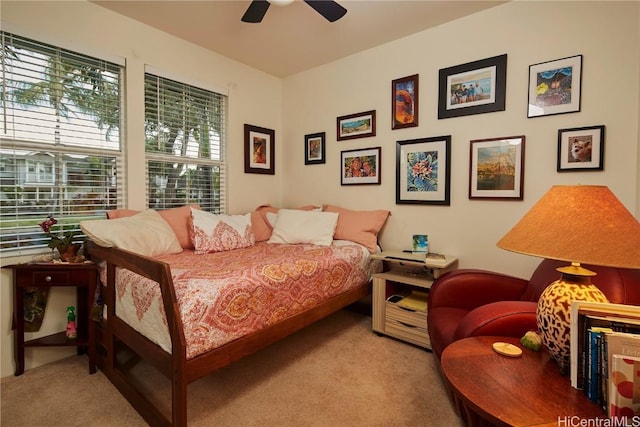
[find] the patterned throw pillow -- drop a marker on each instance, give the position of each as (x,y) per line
(216,233)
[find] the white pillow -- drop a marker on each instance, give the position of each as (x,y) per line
(296,226)
(216,233)
(145,233)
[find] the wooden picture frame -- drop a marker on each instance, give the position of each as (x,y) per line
(361,167)
(496,170)
(555,87)
(423,171)
(488,81)
(581,149)
(315,148)
(359,125)
(259,150)
(404,102)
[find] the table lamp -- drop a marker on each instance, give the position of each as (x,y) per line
(578,224)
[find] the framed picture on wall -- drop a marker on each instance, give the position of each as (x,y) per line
(497,168)
(404,102)
(581,149)
(259,150)
(473,88)
(555,87)
(359,125)
(314,148)
(358,167)
(423,171)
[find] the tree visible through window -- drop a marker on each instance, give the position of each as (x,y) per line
(185,135)
(60,150)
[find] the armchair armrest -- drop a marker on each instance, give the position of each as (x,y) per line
(503,318)
(470,288)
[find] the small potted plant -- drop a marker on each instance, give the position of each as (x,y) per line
(63,241)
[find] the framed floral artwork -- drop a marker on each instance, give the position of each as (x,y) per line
(581,149)
(473,88)
(358,167)
(423,171)
(497,168)
(404,102)
(555,87)
(359,125)
(314,148)
(259,150)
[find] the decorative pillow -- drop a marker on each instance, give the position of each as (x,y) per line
(262,225)
(216,233)
(177,218)
(359,226)
(145,233)
(296,226)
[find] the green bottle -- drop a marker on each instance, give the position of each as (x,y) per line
(72,334)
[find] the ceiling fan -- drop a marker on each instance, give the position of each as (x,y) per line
(331,10)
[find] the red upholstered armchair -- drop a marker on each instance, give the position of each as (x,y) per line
(465,303)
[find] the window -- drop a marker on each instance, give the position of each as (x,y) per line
(60,148)
(184,144)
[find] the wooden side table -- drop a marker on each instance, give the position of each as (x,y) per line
(494,390)
(84,277)
(403,274)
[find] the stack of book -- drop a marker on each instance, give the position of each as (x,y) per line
(605,356)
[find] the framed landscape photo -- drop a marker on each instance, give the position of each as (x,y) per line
(359,125)
(259,150)
(423,171)
(404,102)
(497,168)
(473,88)
(359,167)
(555,87)
(314,148)
(581,149)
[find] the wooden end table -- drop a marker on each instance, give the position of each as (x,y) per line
(84,277)
(493,390)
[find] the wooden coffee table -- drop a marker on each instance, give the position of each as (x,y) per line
(490,389)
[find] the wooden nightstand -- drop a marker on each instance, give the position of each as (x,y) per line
(84,277)
(405,275)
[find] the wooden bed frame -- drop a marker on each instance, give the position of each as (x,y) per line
(114,333)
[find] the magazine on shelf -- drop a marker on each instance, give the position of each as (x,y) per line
(585,315)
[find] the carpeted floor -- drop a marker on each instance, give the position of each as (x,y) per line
(335,372)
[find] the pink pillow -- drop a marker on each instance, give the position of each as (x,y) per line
(359,226)
(262,228)
(177,218)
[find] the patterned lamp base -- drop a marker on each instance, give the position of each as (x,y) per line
(554,308)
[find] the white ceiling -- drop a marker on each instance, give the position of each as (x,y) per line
(292,38)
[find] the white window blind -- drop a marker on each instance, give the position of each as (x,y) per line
(184,144)
(60,147)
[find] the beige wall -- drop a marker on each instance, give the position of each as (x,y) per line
(529,32)
(605,33)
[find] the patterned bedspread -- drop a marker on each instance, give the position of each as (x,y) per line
(225,295)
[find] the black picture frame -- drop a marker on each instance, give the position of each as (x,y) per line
(496,168)
(581,149)
(555,87)
(259,150)
(361,166)
(488,78)
(358,125)
(315,148)
(423,171)
(405,102)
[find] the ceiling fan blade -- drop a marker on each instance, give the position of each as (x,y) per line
(255,12)
(331,10)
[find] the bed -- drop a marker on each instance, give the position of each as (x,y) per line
(189,312)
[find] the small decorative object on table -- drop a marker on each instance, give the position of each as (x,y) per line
(63,242)
(71,323)
(420,243)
